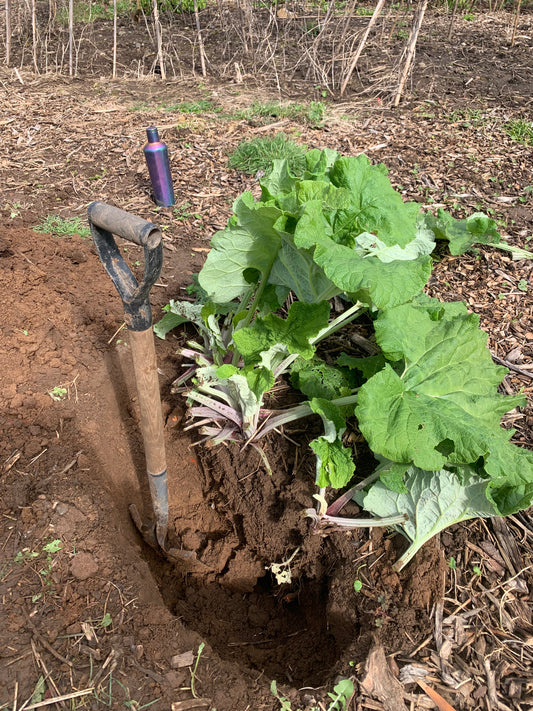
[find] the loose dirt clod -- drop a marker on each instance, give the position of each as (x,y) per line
(83,566)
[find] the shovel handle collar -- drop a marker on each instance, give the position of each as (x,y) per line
(106,221)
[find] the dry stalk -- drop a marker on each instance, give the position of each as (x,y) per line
(355,58)
(411,47)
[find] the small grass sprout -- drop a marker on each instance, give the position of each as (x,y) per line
(27,555)
(340,697)
(14,211)
(194,107)
(63,227)
(193,672)
(520,130)
(312,113)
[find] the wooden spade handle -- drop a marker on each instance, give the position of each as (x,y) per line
(145,367)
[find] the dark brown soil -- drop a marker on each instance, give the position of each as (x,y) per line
(104,614)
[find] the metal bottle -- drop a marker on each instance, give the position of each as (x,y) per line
(156,154)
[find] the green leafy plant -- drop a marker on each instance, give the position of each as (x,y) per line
(260,154)
(183,212)
(14,210)
(58,393)
(26,555)
(467,118)
(50,549)
(520,130)
(179,6)
(341,695)
(61,227)
(424,395)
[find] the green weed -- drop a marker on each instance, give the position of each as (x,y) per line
(14,210)
(195,669)
(252,156)
(58,393)
(520,131)
(27,555)
(467,118)
(178,6)
(312,113)
(194,107)
(183,212)
(89,12)
(62,227)
(341,695)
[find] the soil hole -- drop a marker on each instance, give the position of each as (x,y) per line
(281,631)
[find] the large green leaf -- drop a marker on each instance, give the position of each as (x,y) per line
(368,245)
(176,313)
(251,243)
(328,196)
(444,406)
(335,466)
(277,182)
(433,500)
(511,470)
(318,379)
(462,234)
(319,162)
(297,270)
(303,323)
(376,207)
(386,284)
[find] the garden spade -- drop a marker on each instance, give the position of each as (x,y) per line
(106,221)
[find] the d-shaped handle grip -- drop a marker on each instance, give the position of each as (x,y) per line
(106,221)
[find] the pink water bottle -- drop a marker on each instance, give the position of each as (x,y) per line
(156,154)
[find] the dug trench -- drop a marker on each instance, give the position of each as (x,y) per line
(72,463)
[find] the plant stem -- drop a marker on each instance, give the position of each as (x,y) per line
(251,310)
(337,323)
(300,411)
(340,503)
(331,328)
(517,252)
(193,673)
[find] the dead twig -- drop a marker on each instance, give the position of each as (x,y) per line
(512,366)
